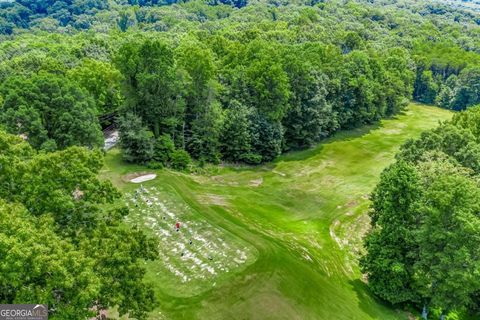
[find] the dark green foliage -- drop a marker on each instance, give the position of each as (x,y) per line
(203,142)
(203,114)
(438,66)
(266,137)
(49,109)
(139,145)
(425,87)
(28,246)
(446,96)
(135,139)
(163,149)
(64,11)
(252,158)
(236,136)
(361,96)
(392,250)
(467,89)
(206,81)
(285,66)
(269,85)
(180,160)
(155,165)
(352,41)
(456,142)
(470,120)
(423,246)
(125,20)
(151,85)
(398,81)
(448,237)
(6,27)
(310,116)
(235,3)
(102,81)
(63,237)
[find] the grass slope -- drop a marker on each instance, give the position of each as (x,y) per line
(299,219)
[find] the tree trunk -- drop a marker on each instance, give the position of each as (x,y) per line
(425,313)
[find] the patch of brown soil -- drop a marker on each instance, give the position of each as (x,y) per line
(256,182)
(213,199)
(352,203)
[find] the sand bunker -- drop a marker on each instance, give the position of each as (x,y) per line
(143,178)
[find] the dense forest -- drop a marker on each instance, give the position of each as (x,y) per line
(216,82)
(188,83)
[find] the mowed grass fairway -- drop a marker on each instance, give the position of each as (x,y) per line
(282,239)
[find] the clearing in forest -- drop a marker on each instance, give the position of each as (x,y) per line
(279,241)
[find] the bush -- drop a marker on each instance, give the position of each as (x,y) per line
(49,145)
(180,160)
(155,165)
(163,149)
(252,158)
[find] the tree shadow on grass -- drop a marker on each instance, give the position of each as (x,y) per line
(343,135)
(370,304)
(304,154)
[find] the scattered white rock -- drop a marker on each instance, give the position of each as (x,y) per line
(196,252)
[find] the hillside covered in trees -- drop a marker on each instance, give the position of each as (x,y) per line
(226,81)
(192,83)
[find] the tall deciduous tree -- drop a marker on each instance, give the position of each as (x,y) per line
(424,244)
(391,247)
(467,90)
(98,260)
(203,114)
(448,237)
(136,140)
(47,107)
(151,86)
(310,116)
(38,265)
(236,140)
(102,81)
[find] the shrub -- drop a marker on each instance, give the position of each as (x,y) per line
(180,160)
(155,165)
(252,158)
(163,149)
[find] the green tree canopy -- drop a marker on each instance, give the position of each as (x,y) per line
(47,108)
(98,260)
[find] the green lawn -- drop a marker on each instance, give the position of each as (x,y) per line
(280,241)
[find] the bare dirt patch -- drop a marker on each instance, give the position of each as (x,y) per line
(337,239)
(392,131)
(279,173)
(256,182)
(352,203)
(213,199)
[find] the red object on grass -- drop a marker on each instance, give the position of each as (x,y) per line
(177,225)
